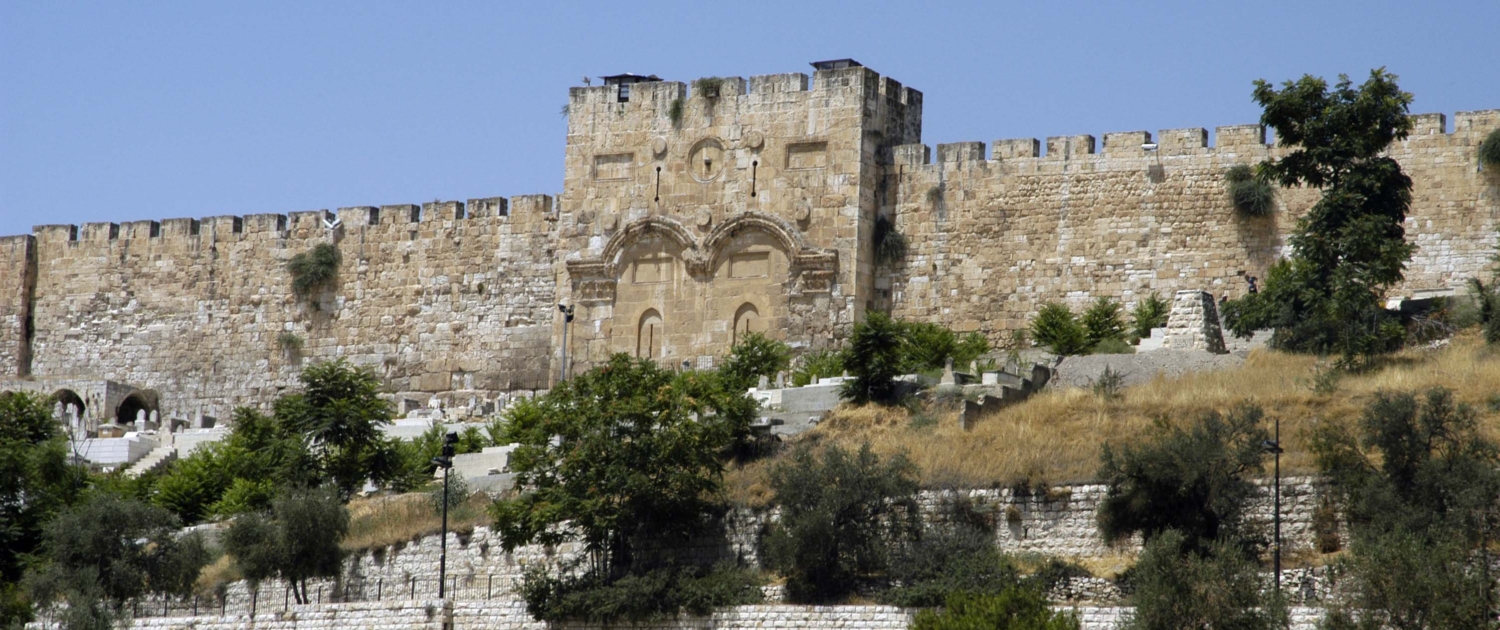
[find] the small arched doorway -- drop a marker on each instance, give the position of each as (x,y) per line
(132,409)
(69,405)
(649,335)
(746,320)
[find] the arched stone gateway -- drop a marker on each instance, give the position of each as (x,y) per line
(134,408)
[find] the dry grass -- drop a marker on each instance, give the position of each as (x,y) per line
(1056,437)
(387,520)
(220,572)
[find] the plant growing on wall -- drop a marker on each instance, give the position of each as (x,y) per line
(890,243)
(314,269)
(708,87)
(1251,195)
(674,111)
(1489,150)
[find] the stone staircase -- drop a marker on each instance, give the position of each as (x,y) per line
(998,390)
(158,457)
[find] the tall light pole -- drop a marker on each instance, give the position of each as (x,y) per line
(567,311)
(446,463)
(1273,446)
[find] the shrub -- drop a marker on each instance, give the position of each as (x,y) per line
(457,494)
(652,595)
(1112,346)
(1150,312)
(928,346)
(300,539)
(289,341)
(754,355)
(1102,321)
(1190,479)
(1109,385)
(890,243)
(1488,304)
(817,364)
(841,513)
(708,87)
(1019,607)
(314,270)
(944,561)
(1489,150)
(1218,586)
(1250,195)
(1056,327)
(874,359)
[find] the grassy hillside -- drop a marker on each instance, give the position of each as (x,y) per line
(1056,437)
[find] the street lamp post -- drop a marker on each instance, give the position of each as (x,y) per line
(562,370)
(446,463)
(1273,446)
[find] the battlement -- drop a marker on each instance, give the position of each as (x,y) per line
(661,93)
(1191,141)
(522,208)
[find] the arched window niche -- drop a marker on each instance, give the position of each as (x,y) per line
(649,335)
(747,320)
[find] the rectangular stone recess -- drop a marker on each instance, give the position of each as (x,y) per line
(652,270)
(613,166)
(807,155)
(750,265)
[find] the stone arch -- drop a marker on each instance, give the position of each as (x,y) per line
(129,408)
(785,236)
(650,330)
(635,230)
(747,319)
(63,398)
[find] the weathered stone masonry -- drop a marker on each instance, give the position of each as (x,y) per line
(751,209)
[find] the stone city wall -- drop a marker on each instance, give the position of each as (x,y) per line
(993,237)
(445,296)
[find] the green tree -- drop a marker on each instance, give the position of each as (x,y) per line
(1018,607)
(754,355)
(114,549)
(841,514)
(36,481)
(1350,246)
(1191,479)
(240,474)
(338,413)
(928,346)
(1103,321)
(624,453)
(1056,327)
(298,542)
(1420,482)
(947,559)
(1150,312)
(874,360)
(1217,587)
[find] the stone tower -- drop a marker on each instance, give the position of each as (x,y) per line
(690,216)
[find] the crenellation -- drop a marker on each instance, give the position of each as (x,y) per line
(100,231)
(1239,136)
(180,227)
(55,233)
(489,207)
(1066,147)
(133,230)
(1479,120)
(960,152)
(911,155)
(442,211)
(1186,141)
(274,224)
(358,216)
(222,227)
(1119,143)
(1429,124)
(1017,148)
(763,84)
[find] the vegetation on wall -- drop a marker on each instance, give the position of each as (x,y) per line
(889,243)
(1250,195)
(1489,150)
(708,87)
(674,111)
(314,270)
(1350,247)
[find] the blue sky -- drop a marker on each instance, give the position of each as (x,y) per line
(148,110)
